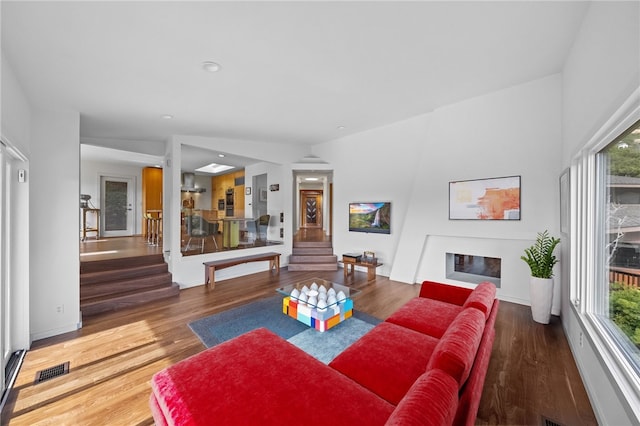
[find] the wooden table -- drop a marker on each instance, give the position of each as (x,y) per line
(349,267)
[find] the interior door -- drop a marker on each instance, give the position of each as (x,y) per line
(311,208)
(117,211)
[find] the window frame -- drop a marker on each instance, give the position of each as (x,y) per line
(589,300)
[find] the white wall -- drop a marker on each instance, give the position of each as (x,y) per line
(15,129)
(15,122)
(377,165)
(274,175)
(601,72)
(90,172)
(511,132)
(54,186)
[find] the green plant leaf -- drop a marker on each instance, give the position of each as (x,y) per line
(540,257)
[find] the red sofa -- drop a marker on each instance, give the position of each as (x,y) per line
(424,365)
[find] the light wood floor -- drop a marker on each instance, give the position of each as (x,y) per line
(113,357)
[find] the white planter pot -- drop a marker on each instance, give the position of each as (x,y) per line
(541,291)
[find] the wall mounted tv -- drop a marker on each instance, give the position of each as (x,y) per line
(370,217)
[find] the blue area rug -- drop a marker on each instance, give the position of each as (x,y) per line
(267,313)
(326,346)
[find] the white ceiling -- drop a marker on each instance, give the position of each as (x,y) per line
(292,72)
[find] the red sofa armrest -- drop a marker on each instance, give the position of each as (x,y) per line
(445,292)
(471,392)
(431,401)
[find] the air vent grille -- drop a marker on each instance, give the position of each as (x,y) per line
(52,372)
(548,422)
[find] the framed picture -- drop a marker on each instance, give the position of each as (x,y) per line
(263,194)
(564,201)
(247,190)
(485,199)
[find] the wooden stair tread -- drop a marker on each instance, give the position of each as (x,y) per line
(124,286)
(123,274)
(312,250)
(312,244)
(313,258)
(312,267)
(125,300)
(119,263)
(127,294)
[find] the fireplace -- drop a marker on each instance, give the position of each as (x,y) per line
(473,269)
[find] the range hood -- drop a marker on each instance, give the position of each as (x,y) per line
(188,183)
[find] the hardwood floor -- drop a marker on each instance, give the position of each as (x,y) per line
(112,358)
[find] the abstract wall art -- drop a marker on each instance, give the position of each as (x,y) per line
(485,199)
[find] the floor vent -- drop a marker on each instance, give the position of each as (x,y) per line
(52,372)
(548,422)
(11,373)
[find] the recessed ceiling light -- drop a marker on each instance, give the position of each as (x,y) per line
(313,179)
(340,127)
(211,66)
(221,155)
(167,116)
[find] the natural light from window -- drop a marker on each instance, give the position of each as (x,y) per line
(618,301)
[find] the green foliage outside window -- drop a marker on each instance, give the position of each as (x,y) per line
(625,161)
(625,310)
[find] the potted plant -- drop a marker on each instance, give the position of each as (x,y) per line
(541,260)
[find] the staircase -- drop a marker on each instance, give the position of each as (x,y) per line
(112,284)
(313,256)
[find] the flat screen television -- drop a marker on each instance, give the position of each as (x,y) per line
(370,217)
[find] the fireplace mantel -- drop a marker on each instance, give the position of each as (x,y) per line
(514,273)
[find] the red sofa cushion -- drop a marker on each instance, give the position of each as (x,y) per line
(259,378)
(387,360)
(432,400)
(444,292)
(482,298)
(457,349)
(427,316)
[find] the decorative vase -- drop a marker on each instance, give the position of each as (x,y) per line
(541,291)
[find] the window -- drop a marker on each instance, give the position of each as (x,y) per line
(605,247)
(617,294)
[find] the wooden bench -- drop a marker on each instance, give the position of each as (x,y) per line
(210,267)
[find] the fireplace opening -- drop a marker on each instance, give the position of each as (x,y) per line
(473,269)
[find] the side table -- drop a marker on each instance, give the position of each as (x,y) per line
(349,267)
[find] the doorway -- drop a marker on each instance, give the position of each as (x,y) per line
(313,204)
(311,208)
(118,198)
(13,301)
